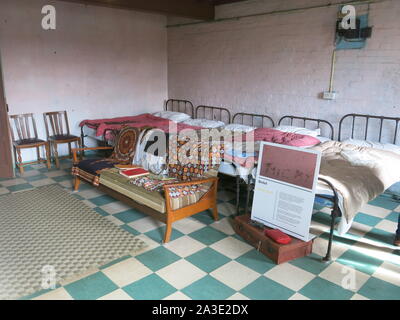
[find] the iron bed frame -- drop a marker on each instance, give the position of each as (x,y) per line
(177,105)
(306,121)
(382,120)
(240,118)
(213,113)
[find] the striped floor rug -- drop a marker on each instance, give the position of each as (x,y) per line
(48,236)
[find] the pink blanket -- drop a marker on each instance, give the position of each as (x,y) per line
(273,136)
(142,120)
(286,138)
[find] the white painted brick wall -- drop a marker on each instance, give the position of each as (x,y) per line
(279,64)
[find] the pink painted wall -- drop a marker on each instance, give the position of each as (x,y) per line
(279,64)
(99,62)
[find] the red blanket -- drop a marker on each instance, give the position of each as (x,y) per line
(142,120)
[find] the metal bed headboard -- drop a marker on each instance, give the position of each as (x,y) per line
(366,127)
(177,105)
(213,113)
(305,121)
(253,119)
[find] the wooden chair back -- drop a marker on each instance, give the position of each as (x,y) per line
(58,121)
(24,125)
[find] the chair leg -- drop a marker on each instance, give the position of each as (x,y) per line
(168,232)
(77,183)
(55,151)
(15,156)
(38,154)
(80,152)
(20,165)
(69,150)
(48,155)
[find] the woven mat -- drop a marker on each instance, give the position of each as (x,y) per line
(49,227)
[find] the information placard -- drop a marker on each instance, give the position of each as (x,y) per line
(285,188)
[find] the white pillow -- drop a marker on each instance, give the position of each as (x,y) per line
(300,130)
(210,124)
(239,127)
(172,115)
(323,139)
(377,145)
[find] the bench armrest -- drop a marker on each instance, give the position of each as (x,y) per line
(190,183)
(212,189)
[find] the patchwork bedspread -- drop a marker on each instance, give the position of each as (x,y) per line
(359,174)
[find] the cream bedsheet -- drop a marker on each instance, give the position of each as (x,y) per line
(359,174)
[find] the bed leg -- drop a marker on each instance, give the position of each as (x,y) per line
(83,142)
(328,256)
(237,194)
(249,189)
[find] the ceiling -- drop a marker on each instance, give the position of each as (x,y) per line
(196,9)
(219,2)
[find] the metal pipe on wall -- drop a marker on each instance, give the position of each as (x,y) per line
(333,67)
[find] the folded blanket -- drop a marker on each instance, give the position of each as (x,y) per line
(359,174)
(286,138)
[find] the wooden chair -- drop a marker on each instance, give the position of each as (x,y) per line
(60,133)
(26,139)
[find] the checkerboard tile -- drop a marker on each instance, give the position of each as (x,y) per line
(118,294)
(206,260)
(208,288)
(336,273)
(180,274)
(234,274)
(321,289)
(150,288)
(184,246)
(298,296)
(127,271)
(290,276)
(92,287)
(177,296)
(266,289)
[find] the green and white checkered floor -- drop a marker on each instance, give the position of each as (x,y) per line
(206,260)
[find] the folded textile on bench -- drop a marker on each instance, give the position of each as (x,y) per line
(156,185)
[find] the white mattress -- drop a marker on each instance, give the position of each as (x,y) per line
(91,133)
(234,170)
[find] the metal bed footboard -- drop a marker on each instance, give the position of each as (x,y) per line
(254,120)
(178,105)
(391,124)
(307,121)
(213,113)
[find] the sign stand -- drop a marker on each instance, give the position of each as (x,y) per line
(285,187)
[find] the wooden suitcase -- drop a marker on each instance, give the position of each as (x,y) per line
(277,252)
